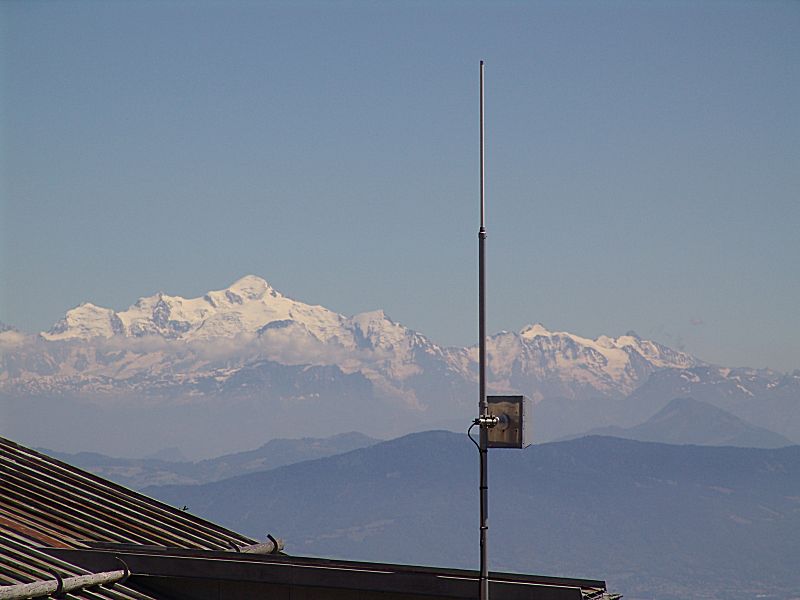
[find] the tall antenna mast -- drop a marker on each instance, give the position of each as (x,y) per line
(504,420)
(483,408)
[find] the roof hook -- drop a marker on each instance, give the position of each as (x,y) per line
(59,591)
(125,576)
(275,549)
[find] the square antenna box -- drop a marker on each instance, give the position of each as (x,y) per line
(515,429)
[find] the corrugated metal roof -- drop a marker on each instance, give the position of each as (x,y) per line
(51,503)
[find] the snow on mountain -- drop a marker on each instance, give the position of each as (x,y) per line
(395,347)
(85,322)
(612,366)
(257,359)
(175,339)
(246,320)
(244,307)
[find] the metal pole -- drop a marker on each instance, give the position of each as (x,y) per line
(482,405)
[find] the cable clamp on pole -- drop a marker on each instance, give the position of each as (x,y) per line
(487,421)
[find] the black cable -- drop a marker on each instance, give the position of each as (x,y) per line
(469,435)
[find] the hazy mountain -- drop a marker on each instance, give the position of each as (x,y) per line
(690,421)
(171,454)
(138,473)
(655,520)
(762,397)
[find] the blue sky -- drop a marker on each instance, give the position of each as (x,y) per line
(643,162)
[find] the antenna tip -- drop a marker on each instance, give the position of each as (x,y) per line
(481,63)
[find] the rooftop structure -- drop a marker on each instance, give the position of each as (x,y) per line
(68,533)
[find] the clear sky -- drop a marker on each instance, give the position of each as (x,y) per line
(643,162)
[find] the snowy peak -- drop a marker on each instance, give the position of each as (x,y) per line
(604,364)
(254,321)
(249,287)
(375,324)
(160,314)
(531,331)
(250,307)
(630,343)
(245,307)
(372,316)
(374,329)
(85,321)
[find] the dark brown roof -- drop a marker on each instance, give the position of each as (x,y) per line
(47,503)
(51,503)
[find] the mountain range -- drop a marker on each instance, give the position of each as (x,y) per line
(682,421)
(139,473)
(656,521)
(226,370)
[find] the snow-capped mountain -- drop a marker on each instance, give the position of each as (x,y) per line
(250,344)
(169,336)
(174,340)
(570,364)
(244,307)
